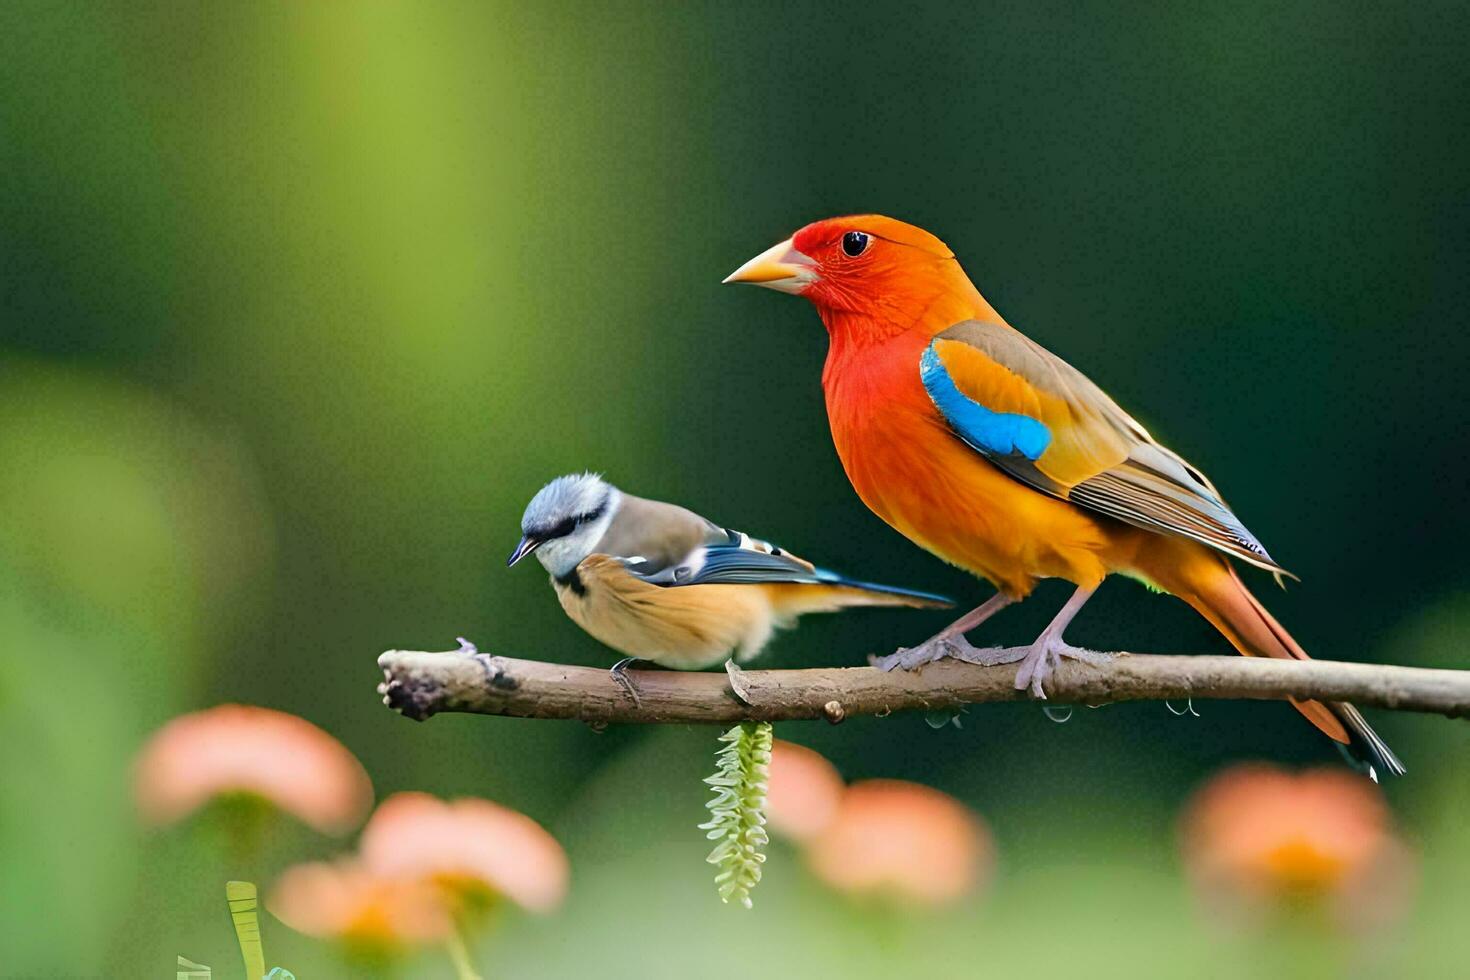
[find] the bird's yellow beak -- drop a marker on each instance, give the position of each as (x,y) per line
(779,267)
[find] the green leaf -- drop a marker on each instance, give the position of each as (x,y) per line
(737,812)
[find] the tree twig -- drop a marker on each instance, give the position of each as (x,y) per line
(421,684)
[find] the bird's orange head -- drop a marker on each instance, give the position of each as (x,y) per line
(868,275)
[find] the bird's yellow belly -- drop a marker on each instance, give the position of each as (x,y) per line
(940,494)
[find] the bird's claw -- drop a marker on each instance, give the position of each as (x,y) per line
(911,658)
(1042,657)
(619,673)
(467,648)
(954,646)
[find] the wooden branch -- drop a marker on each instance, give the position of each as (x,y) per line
(422,684)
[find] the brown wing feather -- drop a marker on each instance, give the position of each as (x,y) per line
(1099,456)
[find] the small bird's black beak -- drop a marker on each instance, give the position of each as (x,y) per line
(528,544)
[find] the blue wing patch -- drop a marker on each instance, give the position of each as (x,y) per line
(995,433)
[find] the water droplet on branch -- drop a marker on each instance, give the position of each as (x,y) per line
(1188,709)
(939,718)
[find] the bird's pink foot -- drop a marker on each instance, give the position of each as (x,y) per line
(952,645)
(950,641)
(912,658)
(1043,656)
(989,656)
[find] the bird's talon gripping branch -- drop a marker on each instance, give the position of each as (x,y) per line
(948,642)
(953,646)
(619,673)
(912,658)
(988,656)
(1043,657)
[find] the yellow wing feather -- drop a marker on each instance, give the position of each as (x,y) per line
(1084,442)
(1096,455)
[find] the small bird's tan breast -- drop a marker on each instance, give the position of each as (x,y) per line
(685,627)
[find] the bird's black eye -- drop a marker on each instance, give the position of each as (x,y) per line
(854,243)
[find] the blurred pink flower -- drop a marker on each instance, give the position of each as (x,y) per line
(238,749)
(902,841)
(803,791)
(469,847)
(1257,834)
(343,900)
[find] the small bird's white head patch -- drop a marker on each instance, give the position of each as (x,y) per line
(566,519)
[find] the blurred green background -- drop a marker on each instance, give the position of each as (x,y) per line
(299,304)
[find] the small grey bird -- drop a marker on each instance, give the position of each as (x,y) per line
(657,582)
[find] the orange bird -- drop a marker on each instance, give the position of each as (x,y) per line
(986,449)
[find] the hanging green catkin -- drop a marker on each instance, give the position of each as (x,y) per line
(737,812)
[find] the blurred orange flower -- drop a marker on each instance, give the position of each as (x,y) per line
(803,791)
(902,841)
(239,749)
(473,849)
(1257,834)
(372,913)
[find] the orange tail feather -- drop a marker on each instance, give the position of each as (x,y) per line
(1241,618)
(1209,584)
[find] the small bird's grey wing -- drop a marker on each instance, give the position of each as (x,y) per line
(1048,425)
(651,536)
(734,558)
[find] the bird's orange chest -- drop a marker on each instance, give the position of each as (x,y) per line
(891,439)
(877,407)
(910,469)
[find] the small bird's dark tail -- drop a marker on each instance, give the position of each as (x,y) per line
(832,592)
(887,595)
